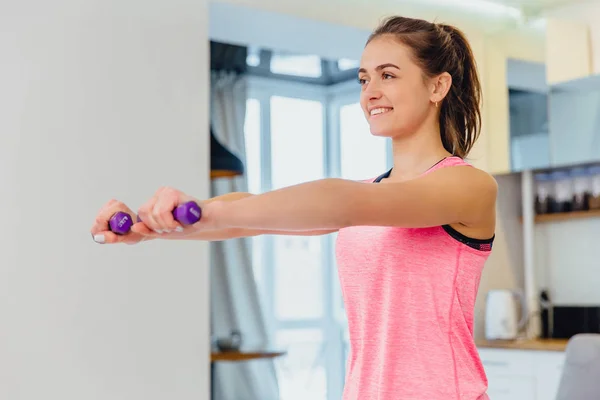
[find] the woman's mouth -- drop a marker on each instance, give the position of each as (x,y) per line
(380,111)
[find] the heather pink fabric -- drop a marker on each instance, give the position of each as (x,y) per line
(409,296)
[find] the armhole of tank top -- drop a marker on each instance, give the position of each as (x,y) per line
(477,244)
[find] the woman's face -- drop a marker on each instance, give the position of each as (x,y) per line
(394,96)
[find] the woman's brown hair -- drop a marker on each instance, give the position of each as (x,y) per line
(439,48)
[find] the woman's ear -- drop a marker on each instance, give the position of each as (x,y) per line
(441,86)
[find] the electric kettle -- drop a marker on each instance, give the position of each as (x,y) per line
(502,320)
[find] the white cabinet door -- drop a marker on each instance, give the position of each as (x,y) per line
(522,374)
(548,371)
(498,362)
(511,388)
(510,374)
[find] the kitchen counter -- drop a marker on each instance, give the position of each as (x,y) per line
(525,344)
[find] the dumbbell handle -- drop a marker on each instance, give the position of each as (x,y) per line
(186,214)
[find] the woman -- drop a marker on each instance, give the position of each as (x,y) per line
(412,242)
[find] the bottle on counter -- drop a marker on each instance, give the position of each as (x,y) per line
(582,187)
(563,192)
(546,314)
(594,199)
(543,195)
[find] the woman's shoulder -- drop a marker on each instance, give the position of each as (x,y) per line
(470,171)
(461,180)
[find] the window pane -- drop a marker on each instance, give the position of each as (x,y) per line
(253,57)
(345,64)
(298,65)
(298,277)
(301,372)
(363,155)
(297,156)
(296,141)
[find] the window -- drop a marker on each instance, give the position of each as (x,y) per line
(303,373)
(296,139)
(298,132)
(344,64)
(253,57)
(296,157)
(362,156)
(298,65)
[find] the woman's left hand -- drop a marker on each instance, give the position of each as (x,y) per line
(157,214)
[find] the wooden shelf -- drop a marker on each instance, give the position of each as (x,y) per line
(525,344)
(244,355)
(566,216)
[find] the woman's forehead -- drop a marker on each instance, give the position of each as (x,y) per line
(382,51)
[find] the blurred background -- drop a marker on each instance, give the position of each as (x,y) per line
(114,99)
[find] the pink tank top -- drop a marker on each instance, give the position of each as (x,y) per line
(410,296)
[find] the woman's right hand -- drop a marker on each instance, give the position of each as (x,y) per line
(102,234)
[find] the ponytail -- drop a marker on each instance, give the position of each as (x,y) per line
(460,115)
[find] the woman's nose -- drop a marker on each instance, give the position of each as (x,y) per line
(372,92)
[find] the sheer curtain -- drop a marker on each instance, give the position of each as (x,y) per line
(235,302)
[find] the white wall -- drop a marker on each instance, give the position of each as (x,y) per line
(504,268)
(99,100)
(567,255)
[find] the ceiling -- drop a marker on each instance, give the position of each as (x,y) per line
(533,7)
(494,15)
(524,17)
(485,15)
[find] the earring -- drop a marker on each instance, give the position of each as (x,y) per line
(436,104)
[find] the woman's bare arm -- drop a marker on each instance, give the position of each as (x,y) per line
(233,233)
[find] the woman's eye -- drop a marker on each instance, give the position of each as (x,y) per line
(386,76)
(362,81)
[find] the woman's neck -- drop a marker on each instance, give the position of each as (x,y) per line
(416,153)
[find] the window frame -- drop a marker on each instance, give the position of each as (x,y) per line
(333,323)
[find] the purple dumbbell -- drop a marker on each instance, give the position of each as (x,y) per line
(186,214)
(120,223)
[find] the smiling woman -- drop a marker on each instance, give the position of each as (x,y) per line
(401,49)
(412,242)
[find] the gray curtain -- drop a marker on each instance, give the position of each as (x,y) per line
(235,301)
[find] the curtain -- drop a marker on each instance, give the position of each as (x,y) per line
(235,301)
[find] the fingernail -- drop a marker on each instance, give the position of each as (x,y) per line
(158,231)
(179,229)
(167,231)
(99,238)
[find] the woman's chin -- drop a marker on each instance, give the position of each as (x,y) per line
(382,132)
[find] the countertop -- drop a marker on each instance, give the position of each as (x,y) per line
(525,344)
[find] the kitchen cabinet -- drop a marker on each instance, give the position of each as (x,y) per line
(548,371)
(574,124)
(522,374)
(511,388)
(529,137)
(574,93)
(528,103)
(568,49)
